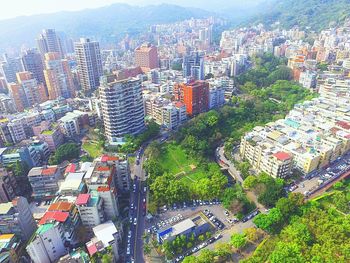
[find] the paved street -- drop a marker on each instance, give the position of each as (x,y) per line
(225,163)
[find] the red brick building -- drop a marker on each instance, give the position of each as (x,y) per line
(195,95)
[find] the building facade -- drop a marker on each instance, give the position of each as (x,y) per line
(89,63)
(122,107)
(195,95)
(146,57)
(58,77)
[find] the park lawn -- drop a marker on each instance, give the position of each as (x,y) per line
(174,159)
(194,176)
(93,148)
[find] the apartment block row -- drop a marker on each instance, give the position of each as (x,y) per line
(311,136)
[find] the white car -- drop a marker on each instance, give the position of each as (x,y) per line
(135,221)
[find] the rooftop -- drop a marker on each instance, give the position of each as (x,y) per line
(61,206)
(82,199)
(282,156)
(58,216)
(43,228)
(5,208)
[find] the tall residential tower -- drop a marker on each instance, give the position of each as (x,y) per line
(89,63)
(48,41)
(122,107)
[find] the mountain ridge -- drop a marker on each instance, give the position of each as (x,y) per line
(104,23)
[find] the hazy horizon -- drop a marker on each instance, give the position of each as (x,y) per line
(17,8)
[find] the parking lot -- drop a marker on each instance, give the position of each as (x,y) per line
(174,214)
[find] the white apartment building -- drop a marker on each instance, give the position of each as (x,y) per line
(90,208)
(48,244)
(69,125)
(122,107)
(17,131)
(89,63)
(216,97)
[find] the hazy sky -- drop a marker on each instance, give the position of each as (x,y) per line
(13,8)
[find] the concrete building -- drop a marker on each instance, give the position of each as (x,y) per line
(47,244)
(17,94)
(58,77)
(48,41)
(73,184)
(216,97)
(89,63)
(312,135)
(100,178)
(122,107)
(146,57)
(16,218)
(34,93)
(106,235)
(32,62)
(52,136)
(9,67)
(193,66)
(10,248)
(195,95)
(17,130)
(8,186)
(69,125)
(44,181)
(90,208)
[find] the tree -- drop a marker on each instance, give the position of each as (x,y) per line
(206,256)
(19,168)
(238,240)
(146,249)
(286,252)
(190,259)
(250,182)
(106,258)
(66,152)
(270,221)
(251,233)
(201,238)
(289,206)
(223,250)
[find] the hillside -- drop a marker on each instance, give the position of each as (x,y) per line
(105,24)
(316,14)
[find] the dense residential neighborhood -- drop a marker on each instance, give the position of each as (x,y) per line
(189,140)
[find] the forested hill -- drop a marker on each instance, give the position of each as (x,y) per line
(316,14)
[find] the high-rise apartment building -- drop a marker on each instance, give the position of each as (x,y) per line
(9,67)
(193,66)
(17,94)
(146,57)
(32,62)
(58,77)
(27,92)
(89,63)
(195,95)
(122,107)
(34,93)
(48,41)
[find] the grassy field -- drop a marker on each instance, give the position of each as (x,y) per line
(174,159)
(93,148)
